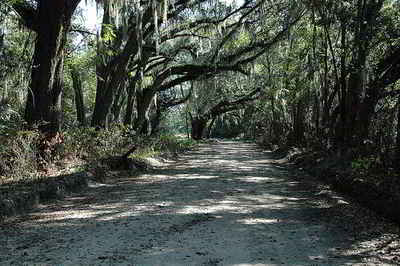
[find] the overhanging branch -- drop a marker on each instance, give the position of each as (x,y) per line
(175,102)
(225,106)
(27,13)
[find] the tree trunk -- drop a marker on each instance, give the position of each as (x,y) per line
(117,105)
(102,106)
(156,121)
(398,132)
(341,129)
(43,105)
(111,71)
(276,131)
(358,108)
(104,93)
(79,102)
(130,103)
(187,125)
(317,115)
(367,111)
(209,128)
(296,136)
(198,126)
(143,104)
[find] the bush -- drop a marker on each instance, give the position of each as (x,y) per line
(173,144)
(91,144)
(366,165)
(24,153)
(18,155)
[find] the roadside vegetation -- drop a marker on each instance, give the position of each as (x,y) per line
(76,150)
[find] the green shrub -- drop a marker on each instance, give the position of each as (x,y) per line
(18,155)
(173,144)
(21,152)
(163,144)
(89,143)
(364,165)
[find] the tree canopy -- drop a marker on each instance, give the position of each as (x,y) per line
(325,71)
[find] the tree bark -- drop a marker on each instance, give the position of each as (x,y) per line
(111,71)
(156,121)
(43,105)
(117,104)
(355,121)
(143,103)
(209,128)
(104,94)
(130,103)
(79,102)
(198,126)
(398,131)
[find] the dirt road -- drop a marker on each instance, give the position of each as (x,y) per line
(223,204)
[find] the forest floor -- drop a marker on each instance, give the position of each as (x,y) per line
(225,203)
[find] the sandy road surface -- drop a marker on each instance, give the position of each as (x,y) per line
(223,204)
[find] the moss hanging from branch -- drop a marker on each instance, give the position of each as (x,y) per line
(165,11)
(139,28)
(154,8)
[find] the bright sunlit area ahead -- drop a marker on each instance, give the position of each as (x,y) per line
(90,14)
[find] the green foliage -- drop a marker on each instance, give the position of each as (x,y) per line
(108,33)
(84,63)
(20,159)
(242,40)
(300,74)
(228,126)
(10,119)
(173,143)
(16,48)
(175,121)
(92,144)
(164,144)
(365,165)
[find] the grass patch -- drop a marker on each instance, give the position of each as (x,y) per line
(164,145)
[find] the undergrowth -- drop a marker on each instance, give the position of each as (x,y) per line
(18,155)
(22,158)
(169,145)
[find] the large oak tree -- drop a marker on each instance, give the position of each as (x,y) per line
(51,21)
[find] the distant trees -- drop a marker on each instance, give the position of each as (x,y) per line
(15,59)
(200,121)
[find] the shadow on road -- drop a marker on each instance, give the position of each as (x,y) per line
(212,203)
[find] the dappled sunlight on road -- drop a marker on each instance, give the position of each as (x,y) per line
(253,221)
(223,204)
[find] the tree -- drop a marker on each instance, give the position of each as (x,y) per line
(200,121)
(79,100)
(43,105)
(15,58)
(152,59)
(164,102)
